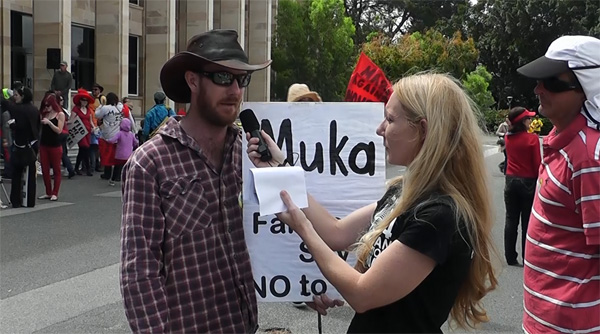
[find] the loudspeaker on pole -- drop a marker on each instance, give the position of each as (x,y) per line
(52,58)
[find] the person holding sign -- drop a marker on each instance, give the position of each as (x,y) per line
(423,249)
(83,109)
(301,93)
(185,266)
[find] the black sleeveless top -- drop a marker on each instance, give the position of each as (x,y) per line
(49,137)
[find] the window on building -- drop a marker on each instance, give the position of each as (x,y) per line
(134,65)
(134,2)
(21,43)
(83,53)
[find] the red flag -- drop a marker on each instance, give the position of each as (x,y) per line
(368,83)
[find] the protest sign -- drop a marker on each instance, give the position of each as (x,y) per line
(368,83)
(344,164)
(76,131)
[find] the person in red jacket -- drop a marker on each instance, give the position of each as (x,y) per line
(523,160)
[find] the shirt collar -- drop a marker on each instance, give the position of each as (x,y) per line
(173,129)
(560,140)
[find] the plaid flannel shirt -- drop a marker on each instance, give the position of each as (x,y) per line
(185,266)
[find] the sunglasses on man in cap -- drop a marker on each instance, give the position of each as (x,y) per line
(226,79)
(555,85)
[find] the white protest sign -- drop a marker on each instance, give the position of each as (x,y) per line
(344,164)
(76,131)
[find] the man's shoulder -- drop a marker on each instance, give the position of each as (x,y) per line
(152,110)
(592,141)
(150,153)
(584,148)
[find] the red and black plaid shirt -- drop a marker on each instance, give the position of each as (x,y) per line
(184,262)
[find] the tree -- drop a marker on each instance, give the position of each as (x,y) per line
(510,34)
(397,17)
(417,52)
(313,45)
(476,84)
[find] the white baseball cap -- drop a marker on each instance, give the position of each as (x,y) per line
(580,54)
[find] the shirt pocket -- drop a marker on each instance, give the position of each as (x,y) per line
(185,206)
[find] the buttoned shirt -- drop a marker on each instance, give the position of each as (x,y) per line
(562,255)
(185,267)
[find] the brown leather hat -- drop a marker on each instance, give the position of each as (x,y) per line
(217,46)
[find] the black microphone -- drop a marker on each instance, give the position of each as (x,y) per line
(250,124)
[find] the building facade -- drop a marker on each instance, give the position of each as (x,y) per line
(122,44)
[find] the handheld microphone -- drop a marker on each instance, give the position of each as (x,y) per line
(250,124)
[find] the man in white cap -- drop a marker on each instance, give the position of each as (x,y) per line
(185,267)
(562,255)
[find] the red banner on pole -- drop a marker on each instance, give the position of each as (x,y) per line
(368,83)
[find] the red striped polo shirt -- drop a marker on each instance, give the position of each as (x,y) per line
(562,257)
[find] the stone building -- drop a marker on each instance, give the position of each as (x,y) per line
(122,44)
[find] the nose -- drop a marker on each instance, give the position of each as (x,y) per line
(381,128)
(539,88)
(234,88)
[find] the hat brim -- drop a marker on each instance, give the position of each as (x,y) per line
(78,97)
(312,95)
(172,74)
(543,68)
(523,115)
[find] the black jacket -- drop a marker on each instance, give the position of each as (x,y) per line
(26,127)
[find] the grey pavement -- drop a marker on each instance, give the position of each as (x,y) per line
(59,267)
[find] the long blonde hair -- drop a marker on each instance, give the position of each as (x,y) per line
(450,161)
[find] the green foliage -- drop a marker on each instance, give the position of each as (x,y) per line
(313,45)
(512,33)
(546,127)
(493,118)
(417,52)
(476,84)
(393,18)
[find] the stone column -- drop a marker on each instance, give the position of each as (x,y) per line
(233,16)
(112,46)
(4,43)
(199,17)
(159,44)
(51,29)
(259,48)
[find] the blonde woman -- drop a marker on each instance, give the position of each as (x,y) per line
(424,248)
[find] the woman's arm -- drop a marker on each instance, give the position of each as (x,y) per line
(398,270)
(338,234)
(61,123)
(100,112)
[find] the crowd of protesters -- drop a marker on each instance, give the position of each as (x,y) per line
(36,140)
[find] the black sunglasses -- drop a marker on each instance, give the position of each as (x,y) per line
(556,85)
(226,78)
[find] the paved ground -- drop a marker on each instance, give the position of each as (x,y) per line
(59,267)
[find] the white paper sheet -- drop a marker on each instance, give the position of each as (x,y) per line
(269,182)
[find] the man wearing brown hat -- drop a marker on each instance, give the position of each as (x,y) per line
(184,262)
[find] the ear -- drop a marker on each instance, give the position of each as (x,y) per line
(423,127)
(193,81)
